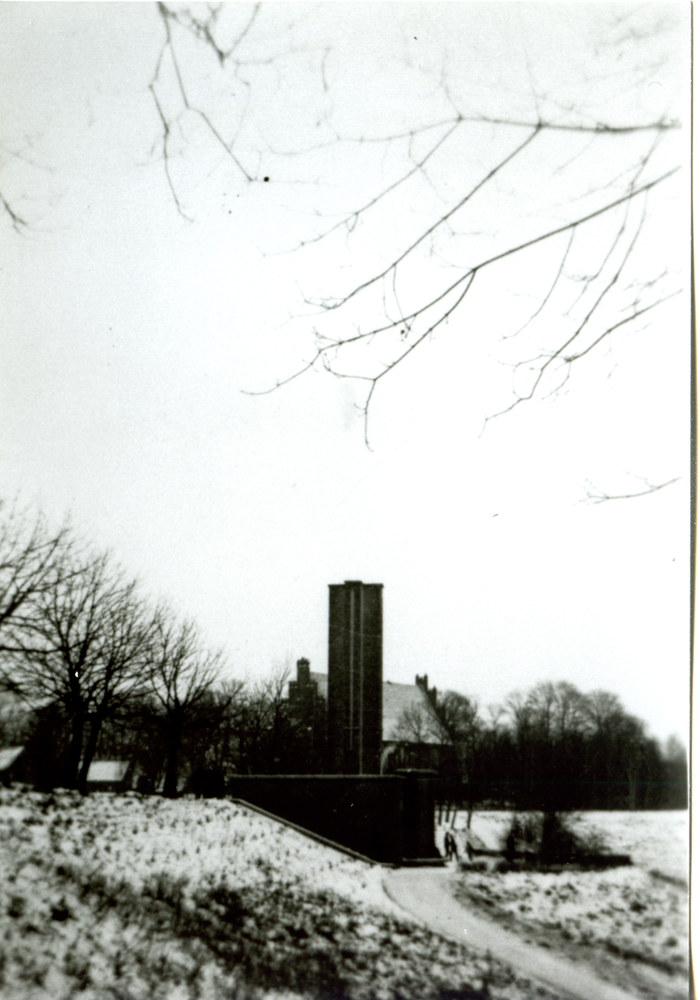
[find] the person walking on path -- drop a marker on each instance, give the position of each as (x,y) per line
(450,847)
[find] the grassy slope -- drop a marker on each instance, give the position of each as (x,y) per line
(130,897)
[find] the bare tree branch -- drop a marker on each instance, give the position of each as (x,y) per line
(595,495)
(32,560)
(459,176)
(18,223)
(592,305)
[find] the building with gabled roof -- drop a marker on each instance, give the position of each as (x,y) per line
(411,733)
(409,713)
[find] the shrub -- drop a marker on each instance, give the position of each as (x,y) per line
(549,839)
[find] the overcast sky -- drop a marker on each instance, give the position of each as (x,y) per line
(130,337)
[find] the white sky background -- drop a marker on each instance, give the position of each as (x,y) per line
(128,333)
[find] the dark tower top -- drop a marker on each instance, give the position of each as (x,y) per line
(355,677)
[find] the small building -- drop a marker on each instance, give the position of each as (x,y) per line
(110,776)
(412,734)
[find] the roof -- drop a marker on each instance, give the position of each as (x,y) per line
(408,715)
(13,702)
(8,755)
(107,770)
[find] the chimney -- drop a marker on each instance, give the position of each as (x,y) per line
(430,693)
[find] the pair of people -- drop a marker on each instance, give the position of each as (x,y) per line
(450,846)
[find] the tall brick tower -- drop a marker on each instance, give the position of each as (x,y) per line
(355,677)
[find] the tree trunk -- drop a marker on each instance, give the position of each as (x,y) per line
(95,727)
(70,774)
(173,751)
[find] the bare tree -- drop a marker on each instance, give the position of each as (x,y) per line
(459,719)
(222,747)
(602,708)
(274,697)
(267,724)
(183,676)
(32,560)
(537,211)
(82,644)
(417,724)
(564,749)
(129,628)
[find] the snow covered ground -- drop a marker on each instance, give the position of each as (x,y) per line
(631,922)
(656,841)
(139,898)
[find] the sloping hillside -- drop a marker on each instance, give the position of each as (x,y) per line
(138,898)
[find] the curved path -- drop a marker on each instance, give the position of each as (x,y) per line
(425,894)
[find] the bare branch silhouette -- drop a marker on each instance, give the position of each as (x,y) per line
(18,223)
(385,309)
(596,495)
(560,177)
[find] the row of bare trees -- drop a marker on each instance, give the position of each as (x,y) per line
(556,748)
(566,750)
(80,640)
(91,668)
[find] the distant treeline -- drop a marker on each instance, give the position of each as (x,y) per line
(556,748)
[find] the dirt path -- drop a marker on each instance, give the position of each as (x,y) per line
(425,894)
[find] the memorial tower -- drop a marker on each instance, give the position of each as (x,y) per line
(355,677)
